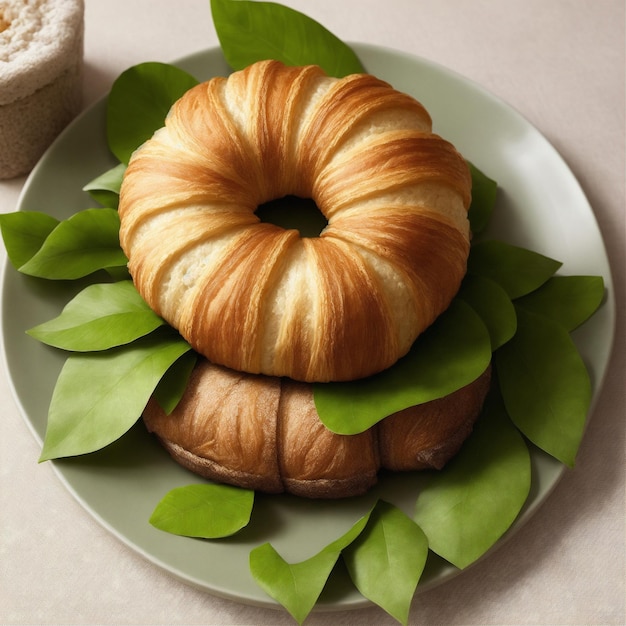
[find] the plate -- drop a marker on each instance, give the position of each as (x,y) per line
(541,206)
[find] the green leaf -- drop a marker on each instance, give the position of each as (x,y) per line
(386,560)
(255,31)
(493,305)
(100,395)
(568,300)
(80,245)
(517,270)
(172,386)
(23,233)
(118,273)
(452,353)
(204,510)
(298,586)
(545,385)
(139,101)
(467,507)
(484,191)
(100,317)
(105,189)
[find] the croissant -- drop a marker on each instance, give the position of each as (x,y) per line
(260,299)
(264,433)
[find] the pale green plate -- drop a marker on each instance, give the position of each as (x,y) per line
(541,207)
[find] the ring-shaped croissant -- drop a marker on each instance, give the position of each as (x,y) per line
(258,298)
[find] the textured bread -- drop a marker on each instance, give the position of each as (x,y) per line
(261,299)
(41,62)
(264,433)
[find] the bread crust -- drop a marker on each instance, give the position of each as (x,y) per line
(340,306)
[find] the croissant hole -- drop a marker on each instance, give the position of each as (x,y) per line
(292,212)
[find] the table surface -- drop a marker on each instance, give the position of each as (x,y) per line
(561,64)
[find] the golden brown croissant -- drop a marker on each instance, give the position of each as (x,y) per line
(264,433)
(261,299)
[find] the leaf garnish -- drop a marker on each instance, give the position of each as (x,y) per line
(105,188)
(23,234)
(568,300)
(298,586)
(78,246)
(493,305)
(254,31)
(467,507)
(545,385)
(208,511)
(138,103)
(100,395)
(386,560)
(452,353)
(101,316)
(172,385)
(517,270)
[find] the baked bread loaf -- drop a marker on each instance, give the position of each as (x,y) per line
(264,433)
(41,61)
(261,299)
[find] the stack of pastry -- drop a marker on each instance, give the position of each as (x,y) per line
(271,311)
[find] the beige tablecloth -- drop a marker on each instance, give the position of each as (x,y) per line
(561,64)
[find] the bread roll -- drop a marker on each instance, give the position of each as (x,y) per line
(264,433)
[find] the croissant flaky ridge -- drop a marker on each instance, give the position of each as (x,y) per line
(258,298)
(264,433)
